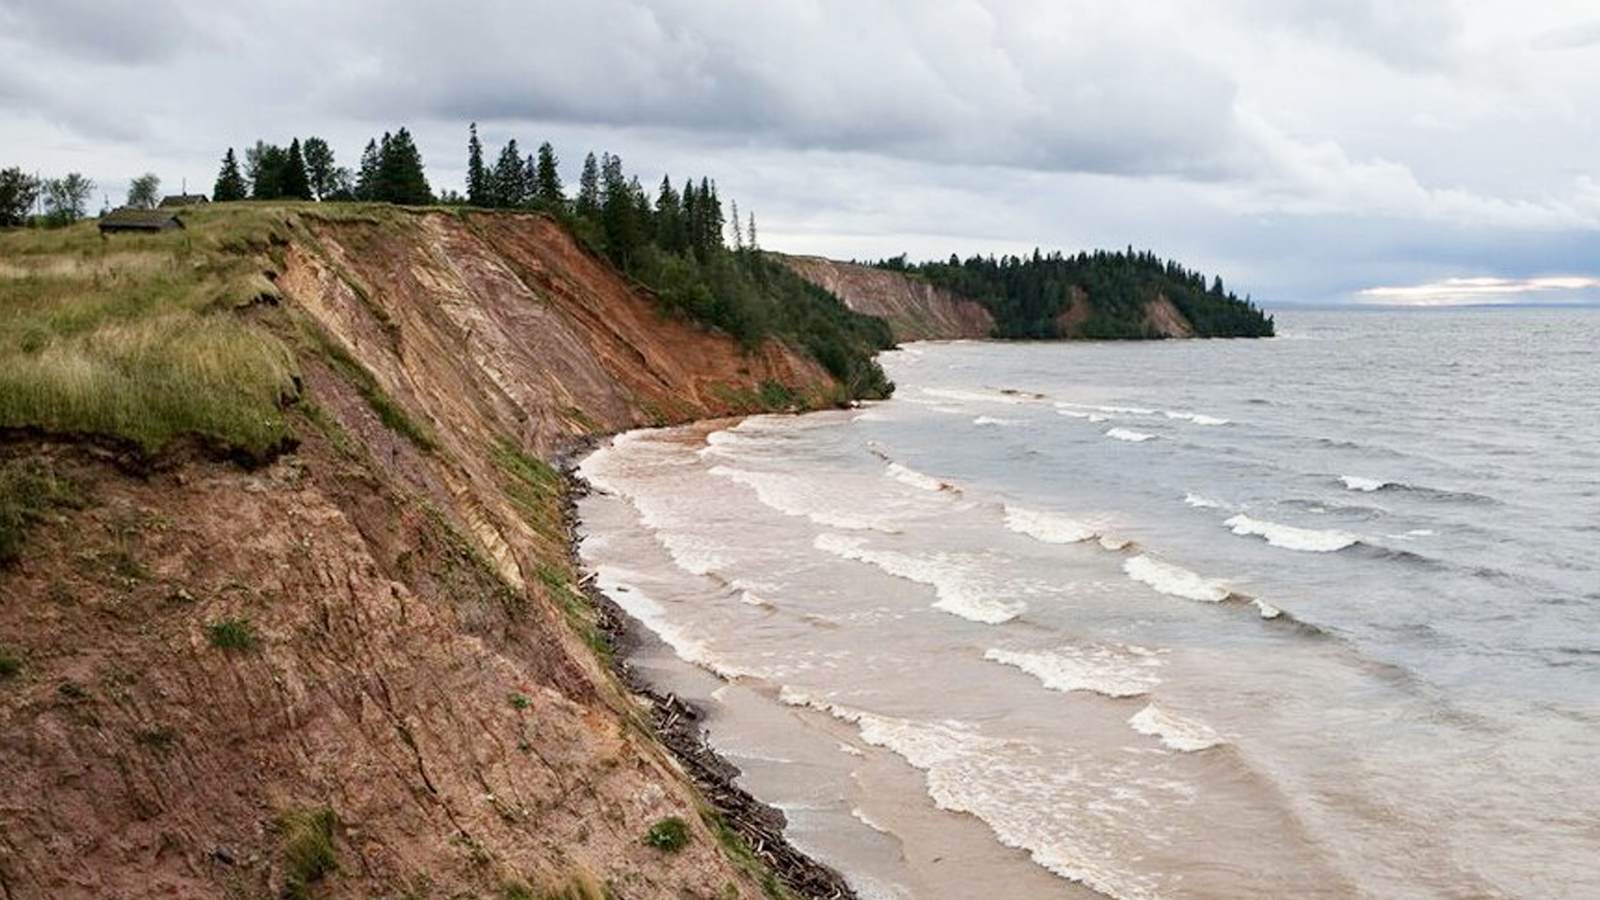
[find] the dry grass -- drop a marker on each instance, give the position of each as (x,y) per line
(135,337)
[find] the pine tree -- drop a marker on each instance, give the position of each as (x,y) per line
(293,182)
(547,190)
(367,176)
(477,176)
(738,229)
(750,234)
(508,184)
(265,163)
(588,205)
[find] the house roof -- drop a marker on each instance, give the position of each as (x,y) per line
(129,219)
(172,200)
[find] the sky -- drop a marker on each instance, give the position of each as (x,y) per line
(1404,152)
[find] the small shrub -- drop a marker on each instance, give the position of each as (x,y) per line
(10,664)
(520,701)
(668,835)
(308,850)
(232,634)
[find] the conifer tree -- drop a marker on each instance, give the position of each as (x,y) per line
(265,164)
(293,183)
(669,218)
(477,175)
(508,185)
(738,229)
(230,183)
(367,176)
(400,175)
(750,234)
(588,205)
(548,193)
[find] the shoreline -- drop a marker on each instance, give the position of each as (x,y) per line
(675,724)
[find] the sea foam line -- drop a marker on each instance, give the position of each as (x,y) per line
(961,591)
(1129,435)
(1123,671)
(1305,540)
(1175,581)
(1176,732)
(1047,528)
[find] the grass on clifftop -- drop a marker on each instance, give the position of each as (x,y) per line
(137,337)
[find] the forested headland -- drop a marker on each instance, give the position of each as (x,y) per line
(1100,294)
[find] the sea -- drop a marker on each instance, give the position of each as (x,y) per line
(1315,616)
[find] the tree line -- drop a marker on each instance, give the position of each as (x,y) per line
(1031,297)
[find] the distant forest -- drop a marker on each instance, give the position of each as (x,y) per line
(1033,297)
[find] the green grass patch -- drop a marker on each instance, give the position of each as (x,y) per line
(232,634)
(29,488)
(668,835)
(133,337)
(388,412)
(744,858)
(308,852)
(534,486)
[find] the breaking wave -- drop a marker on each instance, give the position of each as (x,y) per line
(1046,527)
(962,589)
(1111,671)
(1176,732)
(1288,537)
(1175,581)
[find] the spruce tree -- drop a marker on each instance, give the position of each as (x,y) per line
(367,177)
(293,182)
(588,205)
(750,234)
(669,218)
(477,175)
(548,193)
(509,188)
(230,183)
(400,175)
(328,180)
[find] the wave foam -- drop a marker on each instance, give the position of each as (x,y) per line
(1175,581)
(1197,418)
(991,420)
(962,590)
(800,497)
(909,476)
(1047,528)
(1364,485)
(1176,732)
(1199,502)
(1305,540)
(1105,670)
(1129,435)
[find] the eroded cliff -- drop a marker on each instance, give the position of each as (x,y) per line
(914,309)
(362,667)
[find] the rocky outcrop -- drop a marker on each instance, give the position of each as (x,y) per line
(914,309)
(365,669)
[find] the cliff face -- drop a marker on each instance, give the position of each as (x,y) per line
(361,670)
(914,309)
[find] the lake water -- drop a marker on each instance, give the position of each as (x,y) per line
(1316,616)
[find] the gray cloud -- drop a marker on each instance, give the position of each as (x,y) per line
(1311,146)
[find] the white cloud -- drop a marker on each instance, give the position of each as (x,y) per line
(1484,291)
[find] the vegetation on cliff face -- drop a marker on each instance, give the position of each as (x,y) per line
(1091,295)
(356,666)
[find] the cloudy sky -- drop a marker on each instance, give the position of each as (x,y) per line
(1311,151)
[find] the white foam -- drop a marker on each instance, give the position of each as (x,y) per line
(1109,410)
(1267,610)
(1199,502)
(1128,434)
(1175,581)
(1176,732)
(991,420)
(1365,485)
(1112,671)
(962,590)
(1046,527)
(687,646)
(909,476)
(1306,540)
(1019,789)
(802,497)
(1197,418)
